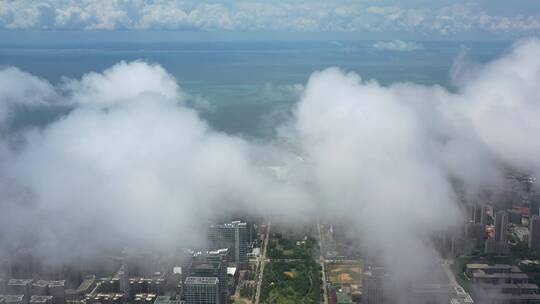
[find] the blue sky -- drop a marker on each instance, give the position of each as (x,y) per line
(417,18)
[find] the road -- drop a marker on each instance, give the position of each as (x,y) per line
(262,264)
(321,262)
(446,264)
(463,297)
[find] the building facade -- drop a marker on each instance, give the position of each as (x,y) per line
(202,290)
(234,237)
(534,232)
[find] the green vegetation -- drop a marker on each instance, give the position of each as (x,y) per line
(520,250)
(292,276)
(249,275)
(281,248)
(533,271)
(291,283)
(247,290)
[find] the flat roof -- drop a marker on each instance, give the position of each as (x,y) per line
(40,299)
(487,266)
(145,296)
(86,284)
(13,298)
(40,283)
(162,300)
(527,286)
(229,225)
(508,286)
(15,282)
(56,283)
(504,275)
(202,280)
(525,296)
(112,295)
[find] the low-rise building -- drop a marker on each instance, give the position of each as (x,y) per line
(41,300)
(503,284)
(14,299)
(144,298)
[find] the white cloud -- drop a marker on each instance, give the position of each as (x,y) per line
(125,162)
(385,157)
(504,105)
(122,82)
(253,16)
(19,88)
(398,45)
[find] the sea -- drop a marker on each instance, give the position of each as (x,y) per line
(247,86)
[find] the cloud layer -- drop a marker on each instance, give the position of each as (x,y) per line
(131,164)
(388,158)
(340,16)
(398,45)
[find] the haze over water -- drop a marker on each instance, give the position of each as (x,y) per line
(245,85)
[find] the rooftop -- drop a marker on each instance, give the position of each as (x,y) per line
(40,299)
(86,284)
(202,280)
(13,298)
(229,225)
(107,296)
(478,266)
(504,275)
(162,300)
(56,283)
(19,282)
(509,286)
(145,296)
(40,283)
(44,283)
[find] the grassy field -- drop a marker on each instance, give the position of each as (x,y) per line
(291,283)
(281,248)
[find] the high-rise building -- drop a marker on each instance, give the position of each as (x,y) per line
(57,290)
(232,236)
(534,232)
(484,215)
(20,287)
(39,288)
(211,264)
(475,233)
(476,213)
(501,226)
(202,290)
(479,214)
(123,276)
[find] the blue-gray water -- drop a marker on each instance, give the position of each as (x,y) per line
(246,82)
